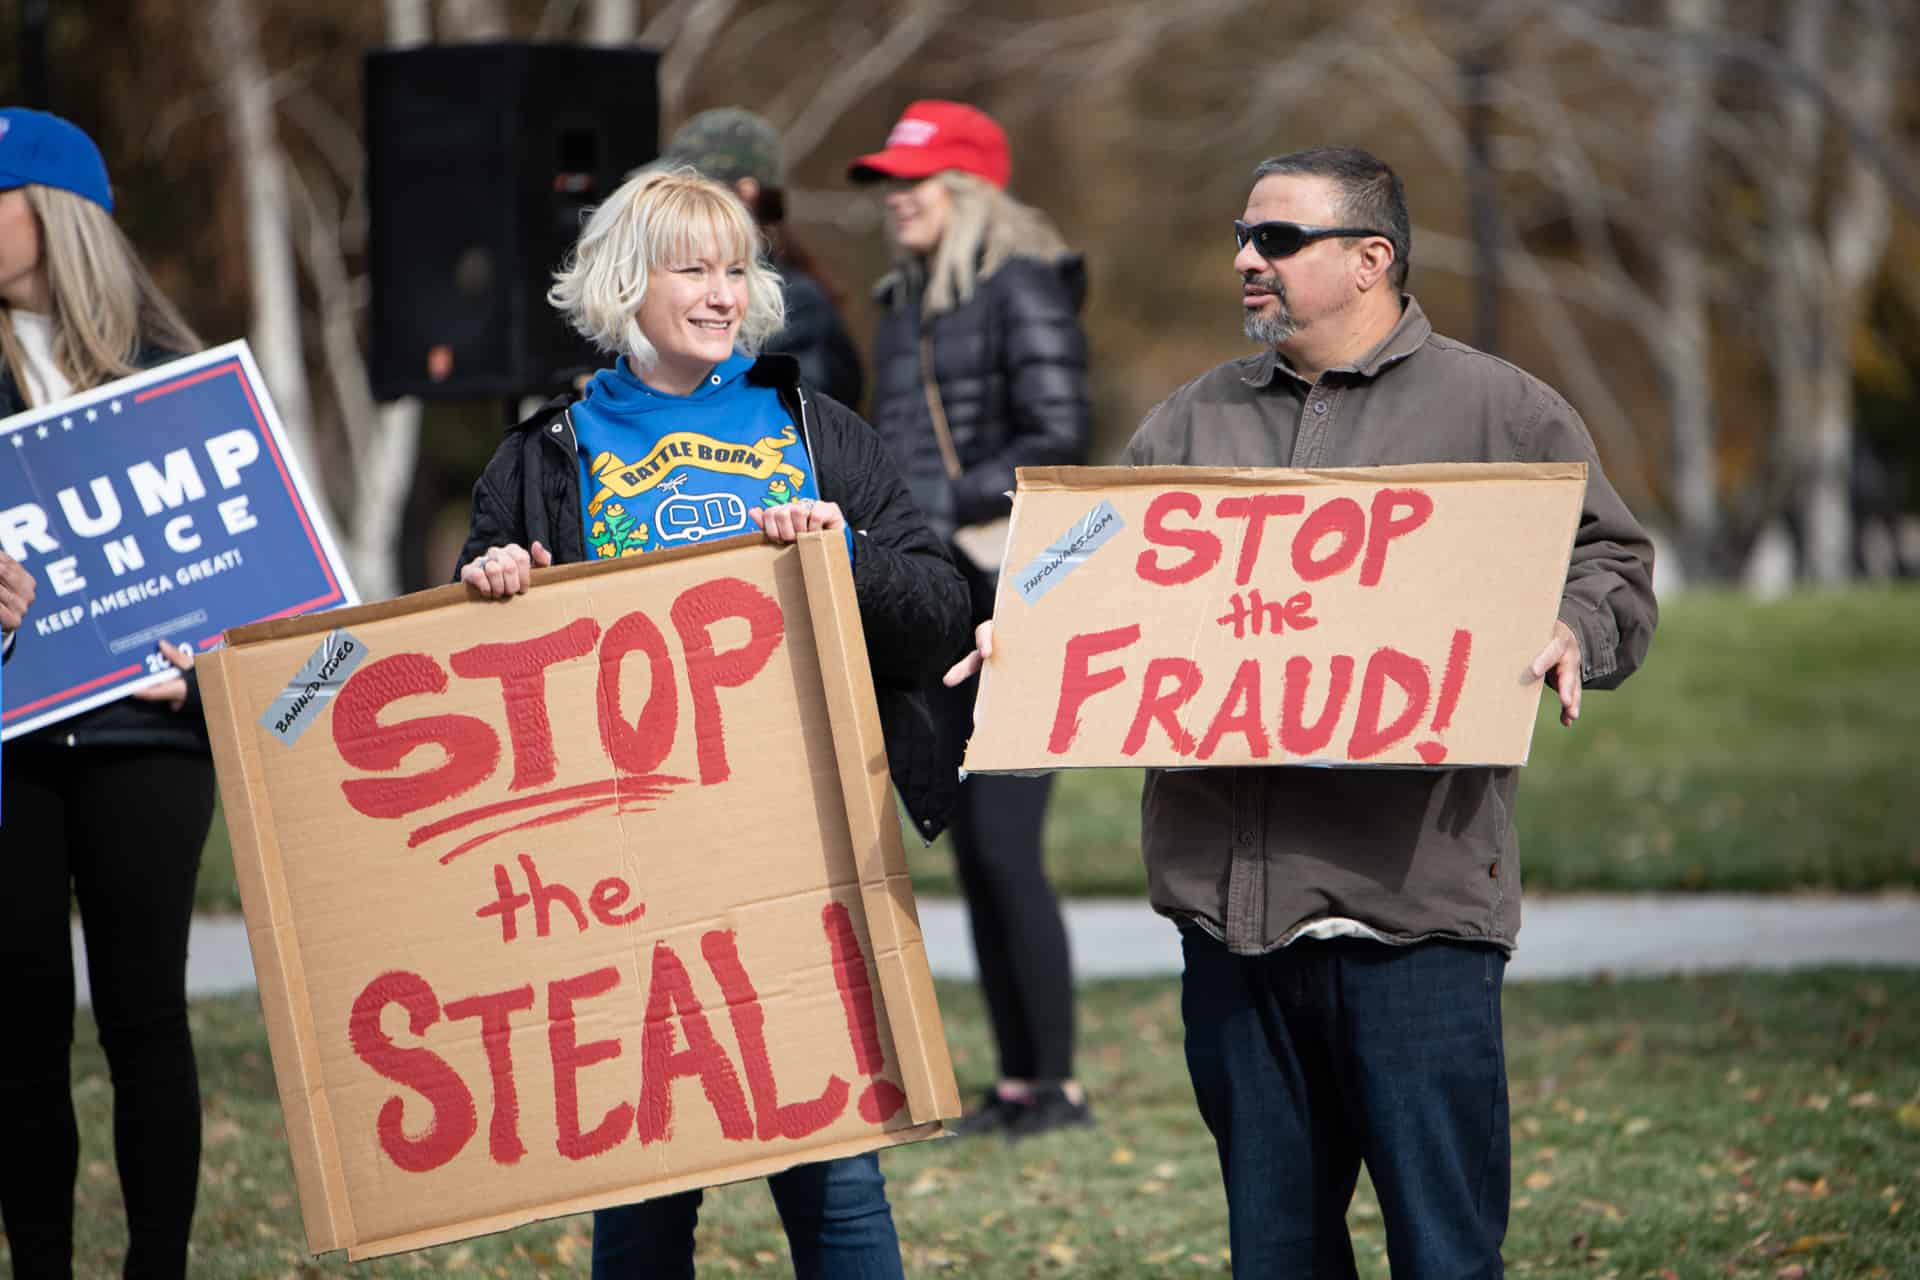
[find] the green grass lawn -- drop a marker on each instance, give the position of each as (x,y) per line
(1764,747)
(1755,1126)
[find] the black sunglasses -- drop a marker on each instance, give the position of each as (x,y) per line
(1284,239)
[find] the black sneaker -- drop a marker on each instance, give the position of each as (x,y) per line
(1048,1108)
(995,1115)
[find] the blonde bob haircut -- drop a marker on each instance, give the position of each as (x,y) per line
(654,219)
(106,308)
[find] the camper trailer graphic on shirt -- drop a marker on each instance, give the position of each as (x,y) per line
(641,507)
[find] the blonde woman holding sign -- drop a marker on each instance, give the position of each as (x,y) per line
(110,807)
(691,434)
(980,366)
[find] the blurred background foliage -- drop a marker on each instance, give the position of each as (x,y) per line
(1696,218)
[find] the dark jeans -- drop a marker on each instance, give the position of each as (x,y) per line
(839,1227)
(121,830)
(1313,1058)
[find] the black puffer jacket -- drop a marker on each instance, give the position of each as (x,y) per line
(816,337)
(913,602)
(127,722)
(1011,363)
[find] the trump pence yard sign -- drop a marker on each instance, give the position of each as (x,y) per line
(164,506)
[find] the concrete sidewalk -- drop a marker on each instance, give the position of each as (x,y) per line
(1564,937)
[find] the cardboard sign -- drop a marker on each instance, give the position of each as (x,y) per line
(164,506)
(577,898)
(1189,616)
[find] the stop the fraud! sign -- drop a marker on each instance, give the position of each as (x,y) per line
(1187,616)
(576,898)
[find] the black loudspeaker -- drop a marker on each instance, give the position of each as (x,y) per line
(481,160)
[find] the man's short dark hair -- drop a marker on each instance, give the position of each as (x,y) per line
(1370,193)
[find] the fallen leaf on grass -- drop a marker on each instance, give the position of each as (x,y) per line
(1611,1212)
(1909,1115)
(1121,1155)
(1061,1254)
(1792,1271)
(1807,1244)
(1636,1126)
(1539,1180)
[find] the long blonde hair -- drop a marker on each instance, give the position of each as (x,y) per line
(653,217)
(985,227)
(105,304)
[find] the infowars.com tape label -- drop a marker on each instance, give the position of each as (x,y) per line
(1068,552)
(298,706)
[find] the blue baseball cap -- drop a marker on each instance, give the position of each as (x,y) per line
(36,146)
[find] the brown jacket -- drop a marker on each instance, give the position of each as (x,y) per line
(1256,855)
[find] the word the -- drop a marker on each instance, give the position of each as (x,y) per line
(1257,615)
(608,896)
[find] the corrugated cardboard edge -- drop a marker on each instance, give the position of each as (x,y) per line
(467,1228)
(1404,473)
(291,1039)
(1572,532)
(893,926)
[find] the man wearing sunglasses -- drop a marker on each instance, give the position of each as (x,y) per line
(1346,930)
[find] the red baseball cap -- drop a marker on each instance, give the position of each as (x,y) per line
(933,136)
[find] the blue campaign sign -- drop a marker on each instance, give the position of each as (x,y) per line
(164,506)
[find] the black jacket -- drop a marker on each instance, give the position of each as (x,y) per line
(815,336)
(1011,364)
(913,602)
(127,722)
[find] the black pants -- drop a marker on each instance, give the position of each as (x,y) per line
(122,830)
(1019,937)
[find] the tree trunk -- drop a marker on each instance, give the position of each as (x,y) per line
(409,23)
(1793,255)
(1683,349)
(612,22)
(276,331)
(474,19)
(1857,232)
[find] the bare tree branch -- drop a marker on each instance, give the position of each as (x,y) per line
(409,23)
(702,23)
(848,85)
(241,75)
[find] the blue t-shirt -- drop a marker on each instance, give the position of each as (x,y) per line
(660,470)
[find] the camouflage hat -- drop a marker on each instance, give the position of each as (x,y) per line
(728,144)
